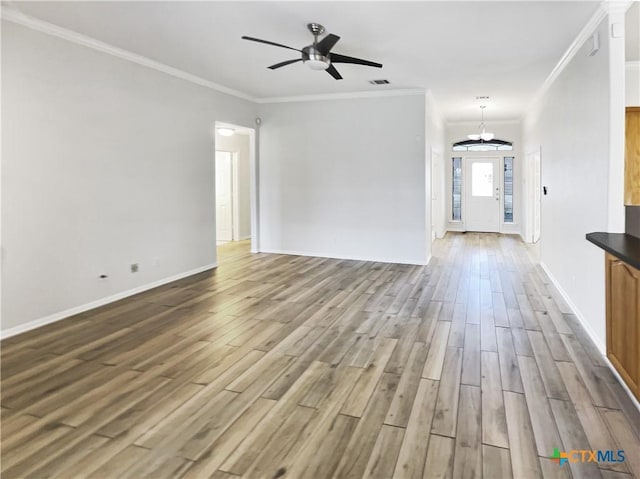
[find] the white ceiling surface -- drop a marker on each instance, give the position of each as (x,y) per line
(458,50)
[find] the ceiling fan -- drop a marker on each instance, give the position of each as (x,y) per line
(318,55)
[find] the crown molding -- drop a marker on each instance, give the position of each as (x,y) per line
(615,6)
(591,26)
(632,65)
(342,96)
(15,16)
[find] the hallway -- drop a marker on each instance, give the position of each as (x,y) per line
(301,367)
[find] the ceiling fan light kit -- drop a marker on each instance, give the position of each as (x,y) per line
(318,55)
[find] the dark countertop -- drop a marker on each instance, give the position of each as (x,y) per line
(621,245)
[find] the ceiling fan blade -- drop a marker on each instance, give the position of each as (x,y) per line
(282,64)
(337,58)
(334,73)
(325,45)
(269,43)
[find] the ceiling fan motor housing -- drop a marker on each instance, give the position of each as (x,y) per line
(314,59)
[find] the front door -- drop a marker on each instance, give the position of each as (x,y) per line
(483,195)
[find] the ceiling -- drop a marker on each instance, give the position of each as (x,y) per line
(457,50)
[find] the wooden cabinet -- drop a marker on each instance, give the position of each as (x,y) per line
(623,320)
(632,156)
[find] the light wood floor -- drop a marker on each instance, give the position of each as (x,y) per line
(282,366)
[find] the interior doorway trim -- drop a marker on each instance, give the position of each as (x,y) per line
(253,181)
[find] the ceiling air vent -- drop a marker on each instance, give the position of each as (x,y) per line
(379,82)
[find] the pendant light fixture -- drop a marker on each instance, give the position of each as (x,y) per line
(483,135)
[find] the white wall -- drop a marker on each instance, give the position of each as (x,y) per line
(632,84)
(345,178)
(508,131)
(240,144)
(105,163)
(570,124)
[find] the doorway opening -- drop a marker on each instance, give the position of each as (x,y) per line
(235,176)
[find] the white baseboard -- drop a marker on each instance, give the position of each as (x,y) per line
(596,340)
(510,229)
(242,238)
(601,347)
(354,257)
(456,228)
(52,318)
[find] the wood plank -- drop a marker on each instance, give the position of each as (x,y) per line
(624,437)
(314,454)
(596,384)
(496,462)
(592,423)
(356,453)
(281,443)
(413,451)
(359,397)
(551,378)
(494,422)
(522,444)
(437,348)
(402,404)
(246,453)
(384,455)
(439,463)
(468,450)
(573,438)
(458,323)
(509,369)
(220,449)
(471,356)
(446,415)
(544,427)
(556,346)
(322,460)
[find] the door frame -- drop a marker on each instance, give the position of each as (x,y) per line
(254,195)
(466,186)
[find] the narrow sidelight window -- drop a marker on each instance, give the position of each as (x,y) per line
(456,189)
(508,189)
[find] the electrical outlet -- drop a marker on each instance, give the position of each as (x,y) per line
(134,267)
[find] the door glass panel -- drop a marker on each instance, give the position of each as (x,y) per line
(456,189)
(482,179)
(508,189)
